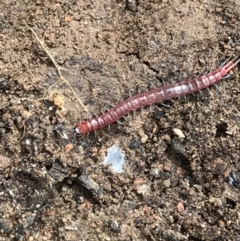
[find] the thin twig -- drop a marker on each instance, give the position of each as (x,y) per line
(55,64)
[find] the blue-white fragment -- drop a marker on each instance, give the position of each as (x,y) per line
(233,180)
(115,157)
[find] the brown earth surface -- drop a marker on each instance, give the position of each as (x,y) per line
(177,156)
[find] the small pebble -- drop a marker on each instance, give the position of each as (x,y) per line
(158,113)
(179,133)
(134,145)
(143,189)
(233,20)
(58,99)
(221,223)
(4,162)
(114,227)
(69,147)
(167,183)
(167,167)
(180,207)
(144,139)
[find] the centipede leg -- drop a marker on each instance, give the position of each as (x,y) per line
(134,114)
(153,85)
(171,80)
(162,103)
(119,122)
(130,94)
(151,109)
(216,87)
(104,109)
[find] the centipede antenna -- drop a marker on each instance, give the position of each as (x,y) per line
(59,128)
(237,60)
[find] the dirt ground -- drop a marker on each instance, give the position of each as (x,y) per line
(178,156)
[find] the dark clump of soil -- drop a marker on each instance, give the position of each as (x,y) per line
(178,155)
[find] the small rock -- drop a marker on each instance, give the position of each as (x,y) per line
(147,210)
(167,167)
(144,139)
(58,99)
(221,223)
(139,181)
(180,207)
(4,162)
(167,183)
(179,133)
(69,147)
(143,189)
(90,184)
(134,145)
(114,227)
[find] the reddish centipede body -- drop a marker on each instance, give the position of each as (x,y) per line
(167,92)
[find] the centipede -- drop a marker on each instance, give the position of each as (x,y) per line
(166,92)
